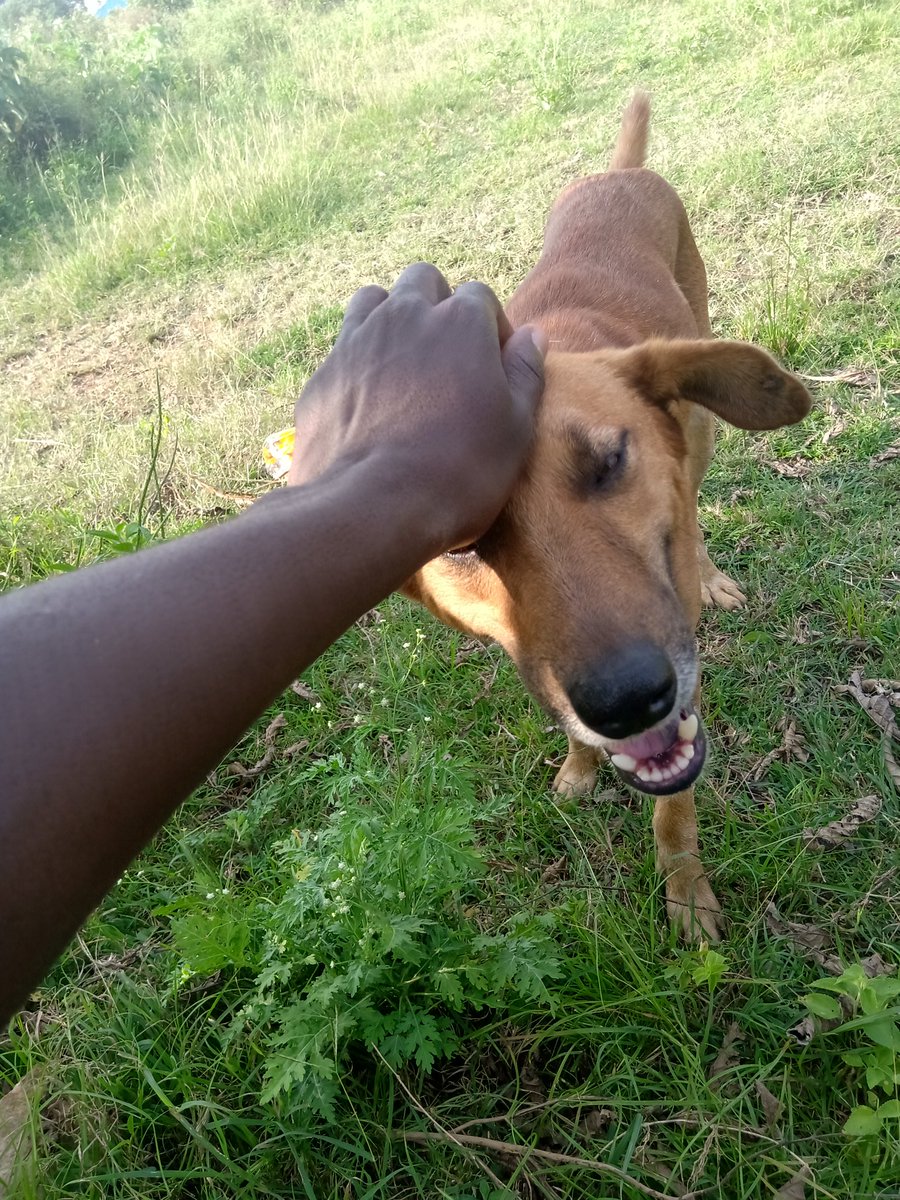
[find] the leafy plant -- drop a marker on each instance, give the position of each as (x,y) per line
(875,999)
(699,967)
(12,93)
(370,940)
(124,537)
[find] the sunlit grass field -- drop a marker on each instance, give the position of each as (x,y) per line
(187,302)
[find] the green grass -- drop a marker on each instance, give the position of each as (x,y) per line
(345,142)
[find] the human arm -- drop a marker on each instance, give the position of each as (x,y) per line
(121,685)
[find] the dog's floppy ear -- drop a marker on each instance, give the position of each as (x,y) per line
(738,382)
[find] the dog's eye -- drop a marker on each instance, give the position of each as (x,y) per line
(606,467)
(464,553)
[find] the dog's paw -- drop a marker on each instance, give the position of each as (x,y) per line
(693,908)
(578,774)
(718,591)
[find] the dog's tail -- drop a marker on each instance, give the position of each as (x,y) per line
(631,146)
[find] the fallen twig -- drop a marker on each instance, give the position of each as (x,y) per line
(550,1156)
(243,772)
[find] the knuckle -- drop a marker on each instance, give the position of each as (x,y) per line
(476,293)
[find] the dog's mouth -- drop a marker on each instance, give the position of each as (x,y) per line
(663,760)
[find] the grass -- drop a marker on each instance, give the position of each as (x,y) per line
(353,140)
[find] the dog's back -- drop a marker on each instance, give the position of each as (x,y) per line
(614,246)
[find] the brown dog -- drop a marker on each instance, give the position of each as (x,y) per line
(592,577)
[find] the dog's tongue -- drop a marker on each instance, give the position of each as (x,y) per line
(655,741)
(648,744)
(659,756)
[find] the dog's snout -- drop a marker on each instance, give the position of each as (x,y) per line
(626,692)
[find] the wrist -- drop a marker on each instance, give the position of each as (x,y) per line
(378,504)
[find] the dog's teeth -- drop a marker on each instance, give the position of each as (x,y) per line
(624,762)
(644,774)
(688,751)
(687,729)
(681,761)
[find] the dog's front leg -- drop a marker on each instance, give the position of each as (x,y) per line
(692,906)
(578,774)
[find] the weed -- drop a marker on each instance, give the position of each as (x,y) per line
(877,1027)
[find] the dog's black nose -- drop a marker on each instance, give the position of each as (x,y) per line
(626,692)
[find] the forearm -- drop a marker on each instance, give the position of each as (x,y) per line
(121,686)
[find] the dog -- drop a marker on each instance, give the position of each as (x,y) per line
(592,577)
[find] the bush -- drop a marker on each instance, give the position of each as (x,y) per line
(75,97)
(363,937)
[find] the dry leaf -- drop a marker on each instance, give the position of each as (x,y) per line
(727,1056)
(804,936)
(809,940)
(875,965)
(771,1106)
(596,1121)
(794,1189)
(835,430)
(876,704)
(15,1130)
(552,873)
(890,762)
(836,833)
(791,748)
(372,617)
(885,456)
(797,468)
(803,1032)
(884,686)
(304,691)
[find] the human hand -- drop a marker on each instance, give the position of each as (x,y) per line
(437,389)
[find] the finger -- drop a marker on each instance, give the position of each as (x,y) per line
(362,304)
(523,364)
(479,293)
(423,281)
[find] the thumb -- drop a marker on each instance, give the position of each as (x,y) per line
(523,363)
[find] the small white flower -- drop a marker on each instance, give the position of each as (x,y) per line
(426,719)
(384,702)
(224,891)
(357,720)
(407,645)
(401,895)
(360,687)
(318,706)
(210,895)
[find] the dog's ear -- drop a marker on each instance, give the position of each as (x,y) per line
(738,382)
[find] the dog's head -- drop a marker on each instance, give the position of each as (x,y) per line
(589,578)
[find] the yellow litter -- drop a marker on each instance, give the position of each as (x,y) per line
(278,450)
